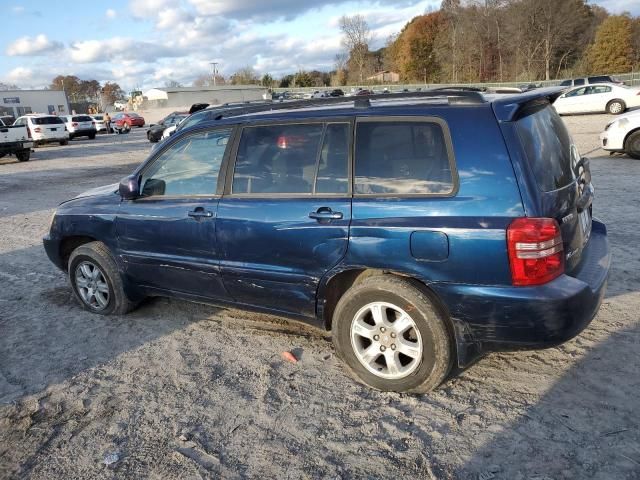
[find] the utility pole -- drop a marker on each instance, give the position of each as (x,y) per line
(214,70)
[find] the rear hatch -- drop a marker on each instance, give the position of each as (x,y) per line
(563,179)
(49,127)
(82,122)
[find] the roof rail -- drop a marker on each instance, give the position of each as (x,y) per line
(453,95)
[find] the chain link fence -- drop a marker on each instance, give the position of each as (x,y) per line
(630,79)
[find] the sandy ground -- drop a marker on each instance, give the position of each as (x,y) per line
(179,390)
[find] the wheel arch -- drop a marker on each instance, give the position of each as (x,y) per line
(624,104)
(629,133)
(69,244)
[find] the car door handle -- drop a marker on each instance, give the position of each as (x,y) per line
(325,214)
(200,213)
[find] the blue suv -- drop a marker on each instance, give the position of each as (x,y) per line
(423,229)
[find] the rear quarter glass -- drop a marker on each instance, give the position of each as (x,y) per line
(548,146)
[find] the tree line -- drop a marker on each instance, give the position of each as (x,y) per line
(508,40)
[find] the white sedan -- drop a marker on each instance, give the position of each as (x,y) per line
(603,97)
(623,135)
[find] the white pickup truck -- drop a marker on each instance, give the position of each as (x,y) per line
(14,139)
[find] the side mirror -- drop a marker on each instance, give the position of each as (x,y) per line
(129,188)
(153,125)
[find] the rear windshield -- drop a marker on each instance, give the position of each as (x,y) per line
(133,115)
(548,148)
(46,120)
(82,118)
(599,79)
(97,117)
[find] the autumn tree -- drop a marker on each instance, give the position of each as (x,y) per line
(8,86)
(206,80)
(414,49)
(356,37)
(111,93)
(612,51)
(172,84)
(245,76)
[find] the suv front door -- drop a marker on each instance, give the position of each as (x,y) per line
(166,237)
(283,221)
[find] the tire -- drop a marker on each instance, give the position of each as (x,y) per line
(616,107)
(108,278)
(64,142)
(632,145)
(92,136)
(431,344)
(23,156)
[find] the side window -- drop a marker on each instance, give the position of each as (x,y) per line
(188,167)
(277,159)
(333,165)
(402,158)
(577,92)
(578,81)
(602,89)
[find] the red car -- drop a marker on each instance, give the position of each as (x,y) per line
(132,119)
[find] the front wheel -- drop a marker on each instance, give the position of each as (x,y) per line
(64,142)
(391,336)
(632,145)
(616,107)
(96,281)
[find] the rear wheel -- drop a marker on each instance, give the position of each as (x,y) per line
(92,136)
(391,336)
(96,281)
(64,142)
(616,107)
(632,145)
(23,156)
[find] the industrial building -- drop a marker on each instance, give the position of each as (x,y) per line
(184,97)
(19,102)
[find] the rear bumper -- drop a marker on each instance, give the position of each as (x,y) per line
(83,133)
(11,147)
(491,318)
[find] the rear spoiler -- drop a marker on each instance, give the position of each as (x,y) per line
(506,108)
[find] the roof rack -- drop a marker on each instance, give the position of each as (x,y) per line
(454,96)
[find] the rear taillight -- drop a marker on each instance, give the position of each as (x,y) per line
(535,251)
(37,129)
(74,124)
(93,123)
(28,132)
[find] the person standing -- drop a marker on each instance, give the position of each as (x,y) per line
(107,122)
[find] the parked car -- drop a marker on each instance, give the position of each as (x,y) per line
(99,121)
(613,99)
(132,119)
(575,82)
(15,140)
(44,128)
(80,126)
(361,220)
(623,135)
(154,134)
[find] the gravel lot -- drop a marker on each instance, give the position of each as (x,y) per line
(180,390)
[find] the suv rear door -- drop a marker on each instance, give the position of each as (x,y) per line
(283,221)
(561,182)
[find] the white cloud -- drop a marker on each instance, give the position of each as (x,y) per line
(120,48)
(144,9)
(28,46)
(111,13)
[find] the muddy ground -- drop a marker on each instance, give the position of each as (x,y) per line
(180,390)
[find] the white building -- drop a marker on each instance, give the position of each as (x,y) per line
(19,102)
(184,97)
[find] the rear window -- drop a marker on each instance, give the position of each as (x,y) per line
(599,79)
(578,81)
(402,157)
(82,118)
(548,148)
(133,115)
(98,117)
(46,120)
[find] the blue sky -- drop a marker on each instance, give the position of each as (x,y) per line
(144,43)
